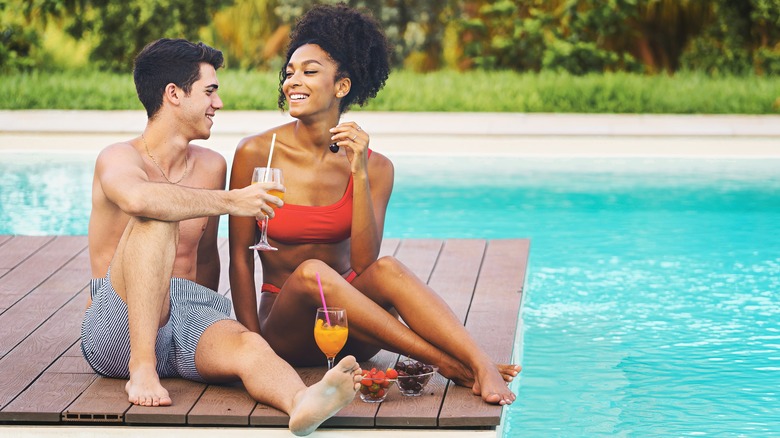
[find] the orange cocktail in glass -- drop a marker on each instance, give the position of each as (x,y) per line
(330,332)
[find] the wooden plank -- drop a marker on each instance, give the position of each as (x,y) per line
(456,273)
(492,320)
(184,394)
(104,401)
(389,247)
(74,351)
(421,411)
(19,248)
(36,307)
(4,238)
(419,256)
(47,397)
(22,365)
(71,365)
(223,405)
(264,415)
(38,267)
(51,393)
(453,278)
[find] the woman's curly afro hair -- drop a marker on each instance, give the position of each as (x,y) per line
(355,42)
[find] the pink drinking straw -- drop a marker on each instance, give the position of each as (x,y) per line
(322,295)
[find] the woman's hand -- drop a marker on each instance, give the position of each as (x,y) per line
(351,137)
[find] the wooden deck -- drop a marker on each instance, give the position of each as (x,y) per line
(45,380)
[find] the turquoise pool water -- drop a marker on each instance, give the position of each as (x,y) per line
(652,304)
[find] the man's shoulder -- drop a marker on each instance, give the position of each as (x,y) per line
(119,151)
(208,156)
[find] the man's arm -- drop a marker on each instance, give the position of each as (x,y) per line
(120,171)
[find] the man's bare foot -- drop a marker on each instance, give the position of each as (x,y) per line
(492,387)
(508,372)
(144,388)
(322,400)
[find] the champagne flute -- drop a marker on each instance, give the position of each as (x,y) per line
(330,331)
(266,174)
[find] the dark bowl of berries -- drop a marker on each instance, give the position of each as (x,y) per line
(413,376)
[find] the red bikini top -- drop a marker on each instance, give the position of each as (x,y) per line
(314,224)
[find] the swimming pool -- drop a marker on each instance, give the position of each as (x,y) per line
(652,304)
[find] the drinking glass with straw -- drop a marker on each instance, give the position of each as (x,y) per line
(330,328)
(267,174)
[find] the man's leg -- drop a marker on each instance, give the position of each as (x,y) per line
(140,274)
(228,351)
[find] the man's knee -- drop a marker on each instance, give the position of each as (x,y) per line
(155,228)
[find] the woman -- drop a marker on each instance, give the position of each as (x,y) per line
(338,57)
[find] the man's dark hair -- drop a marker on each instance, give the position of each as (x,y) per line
(354,41)
(168,61)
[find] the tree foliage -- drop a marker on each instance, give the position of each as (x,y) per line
(576,36)
(123,28)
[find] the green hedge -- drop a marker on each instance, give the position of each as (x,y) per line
(477,91)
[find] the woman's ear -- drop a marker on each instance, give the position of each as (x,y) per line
(343,86)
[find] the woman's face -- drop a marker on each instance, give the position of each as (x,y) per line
(310,85)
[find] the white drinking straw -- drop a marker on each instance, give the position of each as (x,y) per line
(270,153)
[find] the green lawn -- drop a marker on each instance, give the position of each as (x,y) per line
(684,93)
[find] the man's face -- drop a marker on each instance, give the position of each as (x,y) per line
(202,103)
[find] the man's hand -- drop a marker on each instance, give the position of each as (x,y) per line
(254,200)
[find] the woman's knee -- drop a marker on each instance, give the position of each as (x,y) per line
(311,273)
(388,265)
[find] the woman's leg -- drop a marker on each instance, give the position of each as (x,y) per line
(288,323)
(391,284)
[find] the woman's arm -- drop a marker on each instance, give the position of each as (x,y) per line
(372,185)
(369,206)
(241,237)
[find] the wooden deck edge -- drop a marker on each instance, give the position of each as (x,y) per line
(106,402)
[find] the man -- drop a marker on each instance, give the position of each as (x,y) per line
(156,201)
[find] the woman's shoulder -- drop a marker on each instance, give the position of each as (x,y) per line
(262,140)
(378,162)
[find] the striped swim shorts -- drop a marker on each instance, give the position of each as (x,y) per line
(105,337)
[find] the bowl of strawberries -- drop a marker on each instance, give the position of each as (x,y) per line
(376,383)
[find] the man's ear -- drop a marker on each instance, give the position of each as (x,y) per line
(343,86)
(172,93)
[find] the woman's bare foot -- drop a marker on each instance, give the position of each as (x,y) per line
(144,388)
(492,387)
(322,400)
(509,372)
